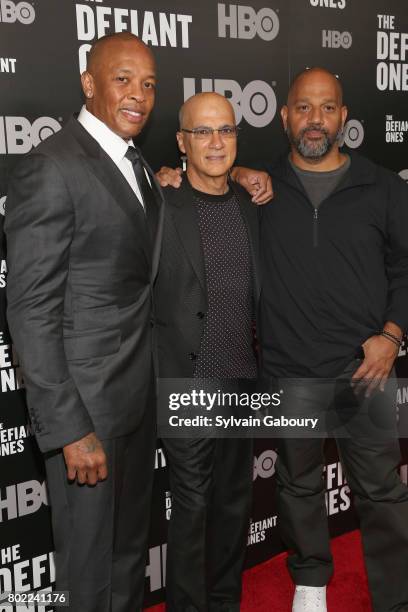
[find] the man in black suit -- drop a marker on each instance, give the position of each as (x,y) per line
(83,225)
(206,293)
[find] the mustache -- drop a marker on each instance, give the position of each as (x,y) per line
(314,127)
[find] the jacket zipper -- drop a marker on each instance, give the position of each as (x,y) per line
(315,228)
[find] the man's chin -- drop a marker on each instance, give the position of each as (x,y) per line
(129,131)
(311,154)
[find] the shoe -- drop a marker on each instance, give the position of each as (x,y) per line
(309,599)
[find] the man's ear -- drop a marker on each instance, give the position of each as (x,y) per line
(87,84)
(344,113)
(180,141)
(284,116)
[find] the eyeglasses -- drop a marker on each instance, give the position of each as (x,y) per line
(204,133)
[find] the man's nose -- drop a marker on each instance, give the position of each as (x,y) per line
(137,92)
(216,141)
(316,115)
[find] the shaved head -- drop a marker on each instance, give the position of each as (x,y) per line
(315,74)
(108,44)
(200,101)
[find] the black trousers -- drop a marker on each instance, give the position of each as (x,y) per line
(211,485)
(100,533)
(370,454)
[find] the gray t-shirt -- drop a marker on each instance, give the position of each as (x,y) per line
(319,185)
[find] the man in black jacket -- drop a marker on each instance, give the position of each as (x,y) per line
(334,307)
(206,295)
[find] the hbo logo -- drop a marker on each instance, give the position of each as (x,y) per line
(264,465)
(353,134)
(11,12)
(334,40)
(17,135)
(3,205)
(256,102)
(245,22)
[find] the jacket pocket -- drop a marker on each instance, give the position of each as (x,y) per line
(102,317)
(96,344)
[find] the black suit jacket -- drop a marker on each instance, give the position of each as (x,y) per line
(180,290)
(81,270)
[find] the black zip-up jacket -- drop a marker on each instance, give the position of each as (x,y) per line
(331,276)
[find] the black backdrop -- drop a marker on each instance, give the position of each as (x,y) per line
(249,53)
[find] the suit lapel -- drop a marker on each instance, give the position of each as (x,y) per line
(185,218)
(107,172)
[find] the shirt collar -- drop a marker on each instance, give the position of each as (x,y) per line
(110,142)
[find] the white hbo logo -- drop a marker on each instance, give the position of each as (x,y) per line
(264,465)
(334,40)
(19,136)
(245,23)
(10,12)
(3,205)
(256,102)
(353,134)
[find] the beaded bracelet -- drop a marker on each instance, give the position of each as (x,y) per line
(391,337)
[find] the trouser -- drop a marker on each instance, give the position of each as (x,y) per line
(370,455)
(211,486)
(100,532)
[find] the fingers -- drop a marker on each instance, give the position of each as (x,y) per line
(169,176)
(260,199)
(89,475)
(373,384)
(82,476)
(369,378)
(71,472)
(360,373)
(359,379)
(102,472)
(263,192)
(88,469)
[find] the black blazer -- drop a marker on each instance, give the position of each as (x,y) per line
(180,290)
(81,269)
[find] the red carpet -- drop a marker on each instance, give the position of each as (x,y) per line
(268,588)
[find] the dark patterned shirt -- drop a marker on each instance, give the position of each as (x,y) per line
(227,343)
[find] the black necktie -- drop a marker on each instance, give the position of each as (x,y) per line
(149,201)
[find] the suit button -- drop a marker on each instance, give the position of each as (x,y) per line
(151,323)
(200,315)
(192,356)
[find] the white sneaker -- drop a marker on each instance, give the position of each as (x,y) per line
(309,599)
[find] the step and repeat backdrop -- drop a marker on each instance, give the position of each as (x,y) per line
(248,51)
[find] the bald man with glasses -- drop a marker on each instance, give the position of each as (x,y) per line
(206,298)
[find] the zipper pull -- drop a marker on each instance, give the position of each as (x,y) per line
(315,233)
